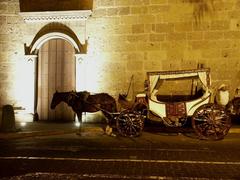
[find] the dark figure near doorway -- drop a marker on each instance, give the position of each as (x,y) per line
(85,102)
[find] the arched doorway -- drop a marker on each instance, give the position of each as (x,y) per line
(61,33)
(56,72)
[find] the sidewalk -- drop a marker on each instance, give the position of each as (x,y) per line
(32,129)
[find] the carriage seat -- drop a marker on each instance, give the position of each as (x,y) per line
(179,98)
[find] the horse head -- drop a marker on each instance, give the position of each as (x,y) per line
(55,100)
(67,97)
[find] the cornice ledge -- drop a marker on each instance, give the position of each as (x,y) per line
(55,16)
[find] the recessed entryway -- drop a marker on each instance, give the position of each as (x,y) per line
(56,72)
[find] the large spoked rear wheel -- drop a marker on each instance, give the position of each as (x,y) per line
(130,123)
(211,122)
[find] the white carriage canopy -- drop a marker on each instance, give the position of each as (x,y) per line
(155,77)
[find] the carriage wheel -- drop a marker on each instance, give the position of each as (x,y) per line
(130,123)
(210,121)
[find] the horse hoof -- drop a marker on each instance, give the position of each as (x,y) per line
(108,130)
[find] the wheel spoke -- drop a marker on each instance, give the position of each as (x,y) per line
(201,118)
(129,123)
(203,127)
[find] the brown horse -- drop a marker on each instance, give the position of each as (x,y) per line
(85,102)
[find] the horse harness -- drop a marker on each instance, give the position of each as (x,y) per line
(83,96)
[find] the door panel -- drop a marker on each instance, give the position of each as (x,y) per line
(56,68)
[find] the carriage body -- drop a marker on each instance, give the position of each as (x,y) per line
(209,120)
(175,106)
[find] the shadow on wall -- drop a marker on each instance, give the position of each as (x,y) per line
(201,8)
(55,5)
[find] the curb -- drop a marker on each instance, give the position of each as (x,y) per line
(86,131)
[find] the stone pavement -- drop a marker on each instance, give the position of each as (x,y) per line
(31,129)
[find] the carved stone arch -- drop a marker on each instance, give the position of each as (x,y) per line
(55,31)
(53,35)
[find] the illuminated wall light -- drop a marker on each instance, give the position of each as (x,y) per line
(77,124)
(23,124)
(22,116)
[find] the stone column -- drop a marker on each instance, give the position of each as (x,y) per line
(33,59)
(80,72)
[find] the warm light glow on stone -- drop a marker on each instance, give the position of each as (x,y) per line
(89,71)
(118,40)
(77,124)
(23,124)
(24,84)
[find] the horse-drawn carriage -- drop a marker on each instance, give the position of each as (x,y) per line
(209,120)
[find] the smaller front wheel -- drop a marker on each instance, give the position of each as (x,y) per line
(210,121)
(130,123)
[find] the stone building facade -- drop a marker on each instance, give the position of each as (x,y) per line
(122,38)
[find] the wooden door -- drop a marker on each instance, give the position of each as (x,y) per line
(56,71)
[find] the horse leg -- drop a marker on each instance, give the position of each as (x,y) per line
(111,108)
(109,119)
(79,115)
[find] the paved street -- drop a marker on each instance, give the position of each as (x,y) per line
(94,155)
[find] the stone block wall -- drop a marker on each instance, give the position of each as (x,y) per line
(152,35)
(131,37)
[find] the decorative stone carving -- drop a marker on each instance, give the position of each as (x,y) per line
(55,16)
(80,57)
